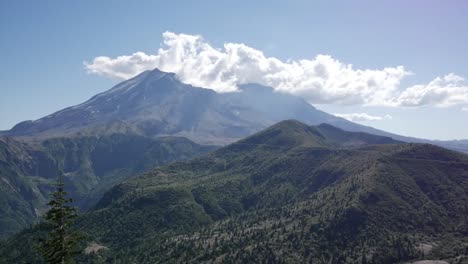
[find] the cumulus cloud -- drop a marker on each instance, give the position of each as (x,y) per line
(359,117)
(446,91)
(321,80)
(122,67)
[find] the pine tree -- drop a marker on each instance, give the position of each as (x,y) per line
(62,242)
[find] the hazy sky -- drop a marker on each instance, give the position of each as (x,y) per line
(394,65)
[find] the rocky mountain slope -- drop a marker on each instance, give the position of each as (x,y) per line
(156,103)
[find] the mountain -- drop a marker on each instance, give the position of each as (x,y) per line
(90,165)
(155,103)
(292,193)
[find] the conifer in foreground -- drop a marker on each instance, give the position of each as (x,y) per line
(62,242)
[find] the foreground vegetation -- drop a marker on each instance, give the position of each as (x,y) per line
(289,194)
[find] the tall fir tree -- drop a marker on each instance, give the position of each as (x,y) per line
(62,242)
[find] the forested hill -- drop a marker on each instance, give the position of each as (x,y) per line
(90,166)
(289,194)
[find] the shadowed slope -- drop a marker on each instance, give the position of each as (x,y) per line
(91,166)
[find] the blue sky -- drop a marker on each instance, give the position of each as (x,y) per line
(45,43)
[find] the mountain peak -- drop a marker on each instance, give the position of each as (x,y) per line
(158,73)
(289,134)
(157,103)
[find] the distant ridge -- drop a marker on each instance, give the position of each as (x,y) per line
(156,103)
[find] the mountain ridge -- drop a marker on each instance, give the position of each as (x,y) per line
(155,103)
(373,195)
(291,193)
(89,165)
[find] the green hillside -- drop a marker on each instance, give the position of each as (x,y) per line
(91,165)
(289,194)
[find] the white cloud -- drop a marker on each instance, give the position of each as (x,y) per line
(359,117)
(321,80)
(447,91)
(465,109)
(122,67)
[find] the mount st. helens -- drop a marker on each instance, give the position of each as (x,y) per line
(155,103)
(292,193)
